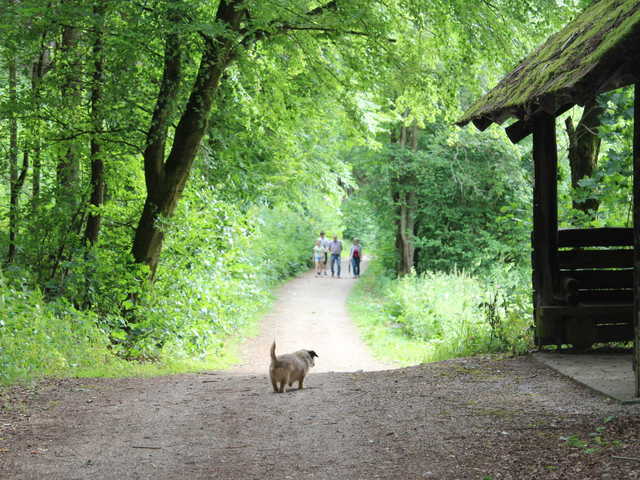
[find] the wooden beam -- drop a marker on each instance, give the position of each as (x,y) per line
(636,237)
(609,313)
(601,279)
(545,215)
(579,259)
(595,237)
(605,297)
(523,128)
(482,123)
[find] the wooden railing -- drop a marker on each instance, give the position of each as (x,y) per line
(596,265)
(594,288)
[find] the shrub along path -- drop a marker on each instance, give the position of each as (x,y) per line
(476,418)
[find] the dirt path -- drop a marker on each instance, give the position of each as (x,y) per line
(311,313)
(478,418)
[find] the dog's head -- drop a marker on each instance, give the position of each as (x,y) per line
(312,354)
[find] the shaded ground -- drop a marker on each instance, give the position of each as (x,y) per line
(460,419)
(477,418)
(608,372)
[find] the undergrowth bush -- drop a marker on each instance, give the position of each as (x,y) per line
(217,271)
(45,338)
(435,316)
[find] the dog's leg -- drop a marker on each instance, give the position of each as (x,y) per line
(282,384)
(275,384)
(300,383)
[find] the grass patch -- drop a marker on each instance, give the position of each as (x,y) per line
(387,342)
(437,316)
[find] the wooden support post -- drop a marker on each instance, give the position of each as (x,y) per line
(545,218)
(636,238)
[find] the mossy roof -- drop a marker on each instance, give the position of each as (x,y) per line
(597,51)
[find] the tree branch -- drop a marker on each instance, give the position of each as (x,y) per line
(286,27)
(80,133)
(165,104)
(251,37)
(23,170)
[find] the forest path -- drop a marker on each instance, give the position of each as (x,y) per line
(311,313)
(475,418)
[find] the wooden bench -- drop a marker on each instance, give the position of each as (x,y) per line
(593,300)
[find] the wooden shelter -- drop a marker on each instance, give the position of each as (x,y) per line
(586,282)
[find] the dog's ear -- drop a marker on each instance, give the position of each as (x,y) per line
(312,354)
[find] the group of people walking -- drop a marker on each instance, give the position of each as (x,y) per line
(330,251)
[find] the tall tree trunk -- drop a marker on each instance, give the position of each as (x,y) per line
(14,224)
(36,174)
(405,200)
(97,164)
(584,147)
(68,169)
(13,157)
(166,180)
(38,70)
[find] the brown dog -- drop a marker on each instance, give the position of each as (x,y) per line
(289,368)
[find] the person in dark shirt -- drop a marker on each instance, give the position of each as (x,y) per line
(355,255)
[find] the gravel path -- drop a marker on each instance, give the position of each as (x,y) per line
(311,313)
(478,418)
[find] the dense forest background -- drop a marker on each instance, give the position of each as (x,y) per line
(165,163)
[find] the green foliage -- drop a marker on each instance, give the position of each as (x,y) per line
(435,316)
(473,204)
(472,199)
(45,338)
(217,274)
(300,92)
(211,285)
(611,183)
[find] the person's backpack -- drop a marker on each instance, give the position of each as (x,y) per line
(356,253)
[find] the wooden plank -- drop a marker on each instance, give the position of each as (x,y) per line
(621,296)
(636,236)
(614,333)
(604,333)
(595,237)
(608,323)
(601,279)
(607,313)
(579,259)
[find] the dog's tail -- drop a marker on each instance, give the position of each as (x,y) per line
(273,352)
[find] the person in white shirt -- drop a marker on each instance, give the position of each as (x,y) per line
(318,257)
(324,243)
